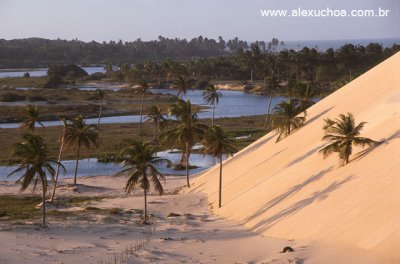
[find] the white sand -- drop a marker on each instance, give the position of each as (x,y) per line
(287,190)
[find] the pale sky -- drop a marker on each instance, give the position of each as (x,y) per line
(147,19)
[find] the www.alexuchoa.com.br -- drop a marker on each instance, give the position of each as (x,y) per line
(327,12)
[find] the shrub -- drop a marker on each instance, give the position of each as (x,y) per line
(12,97)
(37,98)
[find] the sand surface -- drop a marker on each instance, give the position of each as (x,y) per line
(195,236)
(287,190)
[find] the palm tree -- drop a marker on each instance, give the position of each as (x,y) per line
(182,84)
(139,160)
(32,117)
(272,83)
(342,133)
(144,89)
(79,133)
(304,93)
(217,143)
(155,116)
(186,133)
(64,121)
(211,96)
(35,165)
(285,118)
(100,96)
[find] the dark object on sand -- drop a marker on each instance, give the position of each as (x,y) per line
(287,249)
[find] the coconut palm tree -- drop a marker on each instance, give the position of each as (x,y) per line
(62,143)
(100,96)
(138,160)
(285,118)
(272,82)
(32,154)
(144,89)
(211,96)
(155,116)
(79,133)
(342,133)
(186,133)
(182,84)
(217,143)
(304,93)
(32,117)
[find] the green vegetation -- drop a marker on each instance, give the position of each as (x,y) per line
(342,133)
(211,96)
(139,160)
(36,166)
(216,143)
(286,119)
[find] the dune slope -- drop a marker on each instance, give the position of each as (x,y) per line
(288,190)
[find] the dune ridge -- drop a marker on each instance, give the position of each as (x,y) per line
(288,190)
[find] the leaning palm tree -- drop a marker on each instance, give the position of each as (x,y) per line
(285,119)
(100,96)
(32,117)
(211,96)
(144,89)
(272,83)
(186,133)
(304,93)
(35,165)
(79,133)
(155,115)
(62,143)
(182,84)
(138,160)
(342,133)
(217,143)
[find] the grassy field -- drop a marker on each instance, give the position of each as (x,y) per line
(53,103)
(114,136)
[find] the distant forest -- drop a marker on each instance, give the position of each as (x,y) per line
(37,52)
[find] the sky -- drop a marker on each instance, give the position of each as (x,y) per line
(128,20)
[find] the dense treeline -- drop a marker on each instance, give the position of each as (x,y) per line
(36,52)
(273,68)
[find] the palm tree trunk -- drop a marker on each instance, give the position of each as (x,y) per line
(269,108)
(187,165)
(213,114)
(220,181)
(141,115)
(77,161)
(145,206)
(58,167)
(43,206)
(155,130)
(100,112)
(251,75)
(288,130)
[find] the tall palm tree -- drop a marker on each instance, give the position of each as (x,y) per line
(62,143)
(187,132)
(182,84)
(342,133)
(211,96)
(272,82)
(144,89)
(217,143)
(100,96)
(285,118)
(79,133)
(32,117)
(304,93)
(35,165)
(155,115)
(139,161)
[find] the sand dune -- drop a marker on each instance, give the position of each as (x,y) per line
(287,190)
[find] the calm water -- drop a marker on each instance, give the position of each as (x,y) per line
(41,72)
(231,104)
(90,167)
